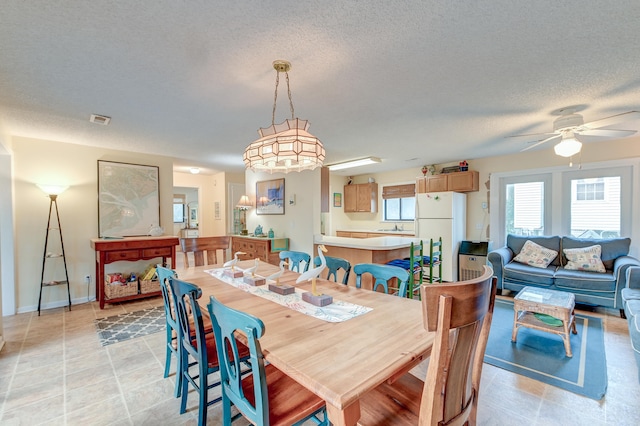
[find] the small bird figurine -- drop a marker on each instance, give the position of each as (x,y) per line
(312,274)
(276,276)
(252,270)
(233,261)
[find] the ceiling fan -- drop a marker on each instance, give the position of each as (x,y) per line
(569,129)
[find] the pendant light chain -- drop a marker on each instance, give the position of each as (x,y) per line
(275,98)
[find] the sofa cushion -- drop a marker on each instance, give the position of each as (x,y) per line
(584,259)
(630,294)
(611,248)
(583,280)
(524,274)
(516,242)
(633,309)
(535,255)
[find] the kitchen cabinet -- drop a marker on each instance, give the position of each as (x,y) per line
(362,197)
(265,249)
(458,182)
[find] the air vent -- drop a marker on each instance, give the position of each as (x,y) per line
(100,119)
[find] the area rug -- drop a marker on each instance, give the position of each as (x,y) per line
(541,355)
(127,326)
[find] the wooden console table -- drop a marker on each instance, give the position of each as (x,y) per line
(130,249)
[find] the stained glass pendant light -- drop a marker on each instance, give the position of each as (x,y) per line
(285,147)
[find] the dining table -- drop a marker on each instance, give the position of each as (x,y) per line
(340,361)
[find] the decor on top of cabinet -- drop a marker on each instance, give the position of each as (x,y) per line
(464,166)
(428,169)
(258,231)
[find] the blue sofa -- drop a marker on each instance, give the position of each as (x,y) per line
(631,301)
(593,288)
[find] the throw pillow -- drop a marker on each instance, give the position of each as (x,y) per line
(584,259)
(533,254)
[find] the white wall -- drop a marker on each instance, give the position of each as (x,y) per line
(41,161)
(299,222)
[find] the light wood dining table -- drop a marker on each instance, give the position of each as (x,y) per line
(341,361)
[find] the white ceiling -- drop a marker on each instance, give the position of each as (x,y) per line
(411,82)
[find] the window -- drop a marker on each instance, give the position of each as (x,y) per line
(525,210)
(595,205)
(588,203)
(399,202)
(178,208)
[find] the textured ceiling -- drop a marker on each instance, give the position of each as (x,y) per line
(411,82)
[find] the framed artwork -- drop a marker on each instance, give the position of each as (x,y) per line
(128,199)
(337,199)
(270,196)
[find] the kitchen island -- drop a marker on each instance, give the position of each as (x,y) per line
(370,250)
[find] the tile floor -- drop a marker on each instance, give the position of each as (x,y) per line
(53,371)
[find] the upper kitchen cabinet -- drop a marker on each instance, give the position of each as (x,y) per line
(459,182)
(361,197)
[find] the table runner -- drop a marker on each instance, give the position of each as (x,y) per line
(338,311)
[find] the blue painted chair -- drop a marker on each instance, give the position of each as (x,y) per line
(173,329)
(268,397)
(201,347)
(334,264)
(295,258)
(381,275)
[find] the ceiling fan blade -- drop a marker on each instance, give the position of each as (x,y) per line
(541,142)
(607,133)
(614,119)
(531,135)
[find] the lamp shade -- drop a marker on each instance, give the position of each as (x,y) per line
(285,147)
(52,189)
(244,203)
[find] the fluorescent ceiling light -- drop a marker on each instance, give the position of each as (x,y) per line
(354,163)
(194,170)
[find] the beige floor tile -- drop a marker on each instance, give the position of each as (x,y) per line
(40,411)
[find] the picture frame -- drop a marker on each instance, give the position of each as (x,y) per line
(270,196)
(337,199)
(128,199)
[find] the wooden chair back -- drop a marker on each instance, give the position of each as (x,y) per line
(334,264)
(201,245)
(460,313)
(382,274)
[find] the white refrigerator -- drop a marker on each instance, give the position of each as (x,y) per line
(443,214)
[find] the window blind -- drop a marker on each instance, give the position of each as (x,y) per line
(399,191)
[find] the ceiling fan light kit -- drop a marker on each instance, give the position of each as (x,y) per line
(568,147)
(287,146)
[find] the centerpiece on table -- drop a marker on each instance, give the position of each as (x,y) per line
(277,287)
(313,296)
(232,272)
(253,279)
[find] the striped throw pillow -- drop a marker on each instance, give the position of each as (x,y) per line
(585,259)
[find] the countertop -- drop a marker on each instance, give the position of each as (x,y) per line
(374,243)
(408,233)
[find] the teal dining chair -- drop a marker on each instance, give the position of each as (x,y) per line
(171,320)
(295,259)
(382,274)
(268,396)
(198,345)
(334,264)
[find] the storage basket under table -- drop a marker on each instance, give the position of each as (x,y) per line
(149,286)
(116,290)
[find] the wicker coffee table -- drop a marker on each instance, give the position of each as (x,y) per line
(558,304)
